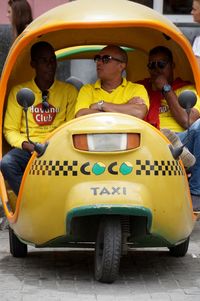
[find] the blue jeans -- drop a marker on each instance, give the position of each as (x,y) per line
(193,144)
(13,165)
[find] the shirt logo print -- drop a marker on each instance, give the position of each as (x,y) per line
(42,117)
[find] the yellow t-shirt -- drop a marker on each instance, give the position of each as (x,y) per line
(93,93)
(166,118)
(62,98)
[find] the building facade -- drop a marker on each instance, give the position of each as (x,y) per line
(38,8)
(176,10)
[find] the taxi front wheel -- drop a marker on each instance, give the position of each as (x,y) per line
(17,248)
(108,249)
(180,250)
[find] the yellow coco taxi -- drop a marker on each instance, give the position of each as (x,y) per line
(107,180)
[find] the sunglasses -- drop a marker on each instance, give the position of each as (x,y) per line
(45,97)
(157,64)
(105,59)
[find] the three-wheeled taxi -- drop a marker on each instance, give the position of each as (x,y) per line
(121,188)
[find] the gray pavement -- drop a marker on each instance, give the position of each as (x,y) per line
(57,275)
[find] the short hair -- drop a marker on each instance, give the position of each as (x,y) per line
(121,52)
(37,47)
(162,49)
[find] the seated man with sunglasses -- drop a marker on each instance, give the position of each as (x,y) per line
(54,104)
(166,114)
(112,92)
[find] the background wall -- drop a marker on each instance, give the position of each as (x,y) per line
(38,8)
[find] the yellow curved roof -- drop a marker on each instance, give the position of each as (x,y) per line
(94,22)
(91,11)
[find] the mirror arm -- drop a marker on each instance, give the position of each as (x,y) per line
(38,147)
(25,109)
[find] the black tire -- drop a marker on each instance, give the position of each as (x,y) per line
(180,250)
(108,249)
(17,248)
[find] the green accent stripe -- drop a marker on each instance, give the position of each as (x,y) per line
(85,49)
(104,209)
(78,50)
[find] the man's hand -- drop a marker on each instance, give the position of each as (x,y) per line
(94,106)
(28,146)
(136,101)
(159,81)
(178,113)
(135,106)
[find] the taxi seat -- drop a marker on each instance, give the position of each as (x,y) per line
(75,81)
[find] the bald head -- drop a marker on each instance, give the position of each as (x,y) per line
(117,51)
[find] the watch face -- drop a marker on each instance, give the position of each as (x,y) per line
(100,105)
(166,88)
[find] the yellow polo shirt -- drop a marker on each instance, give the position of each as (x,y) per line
(93,93)
(166,118)
(62,98)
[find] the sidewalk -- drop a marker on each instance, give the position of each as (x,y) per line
(68,275)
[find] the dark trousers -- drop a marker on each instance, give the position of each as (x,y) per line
(13,165)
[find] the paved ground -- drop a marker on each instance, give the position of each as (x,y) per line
(68,275)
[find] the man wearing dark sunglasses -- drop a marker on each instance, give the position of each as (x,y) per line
(112,92)
(54,104)
(166,113)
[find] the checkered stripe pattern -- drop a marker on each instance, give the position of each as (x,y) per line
(54,168)
(158,168)
(67,168)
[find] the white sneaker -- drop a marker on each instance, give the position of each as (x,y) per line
(186,156)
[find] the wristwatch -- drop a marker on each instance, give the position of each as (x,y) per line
(100,105)
(166,88)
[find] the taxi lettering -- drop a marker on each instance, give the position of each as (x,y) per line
(108,191)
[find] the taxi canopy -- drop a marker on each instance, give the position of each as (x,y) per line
(91,22)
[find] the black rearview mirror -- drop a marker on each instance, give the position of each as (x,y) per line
(25,98)
(187,99)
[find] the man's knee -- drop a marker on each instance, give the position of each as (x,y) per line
(4,165)
(196,125)
(6,162)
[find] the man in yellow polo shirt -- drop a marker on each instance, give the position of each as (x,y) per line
(112,92)
(165,111)
(54,104)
